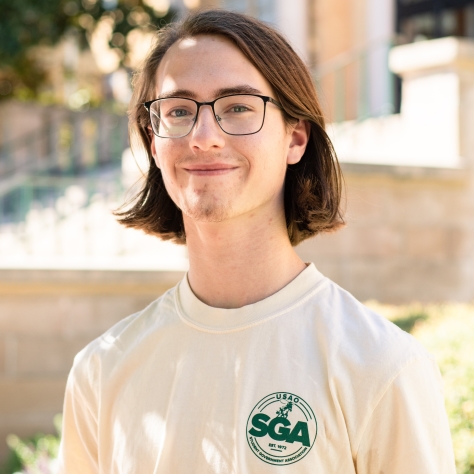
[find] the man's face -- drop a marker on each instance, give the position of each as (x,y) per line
(212,176)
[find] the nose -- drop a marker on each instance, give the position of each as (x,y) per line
(206,133)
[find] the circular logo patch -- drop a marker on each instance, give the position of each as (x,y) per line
(281,429)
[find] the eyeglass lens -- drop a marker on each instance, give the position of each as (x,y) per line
(236,115)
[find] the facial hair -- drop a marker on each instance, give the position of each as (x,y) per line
(208,204)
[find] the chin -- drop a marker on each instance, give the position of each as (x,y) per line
(207,213)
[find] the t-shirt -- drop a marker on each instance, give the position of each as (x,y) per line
(307,380)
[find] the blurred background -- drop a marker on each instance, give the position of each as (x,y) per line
(396,82)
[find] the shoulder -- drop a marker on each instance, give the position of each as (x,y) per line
(365,356)
(361,334)
(106,351)
(363,351)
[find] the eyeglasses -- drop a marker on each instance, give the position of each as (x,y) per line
(240,114)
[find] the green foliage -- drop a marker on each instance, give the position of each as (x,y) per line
(29,23)
(35,455)
(26,23)
(449,338)
(408,322)
(447,332)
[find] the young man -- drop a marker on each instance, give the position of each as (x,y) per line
(255,362)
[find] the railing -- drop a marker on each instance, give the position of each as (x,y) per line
(58,187)
(81,151)
(358,84)
(67,143)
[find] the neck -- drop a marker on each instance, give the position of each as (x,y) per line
(239,261)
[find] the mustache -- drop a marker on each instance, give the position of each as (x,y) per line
(209,158)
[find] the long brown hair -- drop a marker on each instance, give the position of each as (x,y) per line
(312,186)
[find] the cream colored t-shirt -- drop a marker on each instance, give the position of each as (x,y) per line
(305,381)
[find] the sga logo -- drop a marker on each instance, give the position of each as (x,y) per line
(281,429)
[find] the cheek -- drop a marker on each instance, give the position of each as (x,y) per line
(166,157)
(171,183)
(167,172)
(163,156)
(271,159)
(163,165)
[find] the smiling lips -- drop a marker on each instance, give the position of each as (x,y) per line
(211,169)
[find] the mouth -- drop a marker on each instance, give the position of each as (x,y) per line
(211,169)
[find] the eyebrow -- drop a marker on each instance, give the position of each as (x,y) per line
(240,89)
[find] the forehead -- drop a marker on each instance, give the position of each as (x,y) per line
(204,65)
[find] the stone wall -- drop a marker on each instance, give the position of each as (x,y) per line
(46,317)
(409,235)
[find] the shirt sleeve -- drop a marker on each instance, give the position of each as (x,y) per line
(78,451)
(408,431)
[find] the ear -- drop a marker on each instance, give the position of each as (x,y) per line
(299,139)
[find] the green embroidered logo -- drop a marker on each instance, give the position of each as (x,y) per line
(281,429)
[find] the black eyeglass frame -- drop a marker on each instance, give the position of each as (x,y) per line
(265,99)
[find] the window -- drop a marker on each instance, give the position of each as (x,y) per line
(428,19)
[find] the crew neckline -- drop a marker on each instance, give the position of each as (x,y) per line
(208,318)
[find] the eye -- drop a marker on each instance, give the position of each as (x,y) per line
(178,113)
(239,109)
